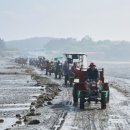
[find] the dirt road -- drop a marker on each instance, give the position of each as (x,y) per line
(62,115)
(115,117)
(67,117)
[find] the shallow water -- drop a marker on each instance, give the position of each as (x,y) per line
(14,109)
(7,123)
(16,93)
(115,69)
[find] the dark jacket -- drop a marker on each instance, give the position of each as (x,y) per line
(92,74)
(66,69)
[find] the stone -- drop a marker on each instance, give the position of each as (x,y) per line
(40,96)
(19,122)
(1,120)
(31,114)
(18,116)
(49,103)
(38,114)
(33,103)
(34,122)
(26,118)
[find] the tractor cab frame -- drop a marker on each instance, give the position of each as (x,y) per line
(78,60)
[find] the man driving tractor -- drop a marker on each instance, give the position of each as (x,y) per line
(92,73)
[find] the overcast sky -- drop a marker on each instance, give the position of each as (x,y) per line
(101,19)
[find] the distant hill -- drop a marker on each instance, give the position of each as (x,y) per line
(97,50)
(2,48)
(101,50)
(2,44)
(28,44)
(62,44)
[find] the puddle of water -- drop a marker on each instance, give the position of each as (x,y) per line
(18,104)
(33,95)
(7,123)
(20,88)
(32,99)
(14,109)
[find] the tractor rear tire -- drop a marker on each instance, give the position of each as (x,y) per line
(103,100)
(108,96)
(55,75)
(75,96)
(71,82)
(82,100)
(59,75)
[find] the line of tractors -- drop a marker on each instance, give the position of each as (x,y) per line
(83,90)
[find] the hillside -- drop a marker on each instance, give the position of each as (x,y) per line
(102,49)
(28,44)
(2,48)
(2,44)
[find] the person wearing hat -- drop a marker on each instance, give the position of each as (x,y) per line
(92,73)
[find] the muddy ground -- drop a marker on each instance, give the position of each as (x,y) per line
(18,91)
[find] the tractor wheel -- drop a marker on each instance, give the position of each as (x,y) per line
(103,100)
(82,100)
(75,96)
(66,79)
(55,75)
(71,82)
(108,96)
(59,75)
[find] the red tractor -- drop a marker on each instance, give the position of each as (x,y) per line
(88,91)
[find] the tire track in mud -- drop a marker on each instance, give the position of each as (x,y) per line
(93,118)
(85,120)
(119,111)
(66,100)
(59,122)
(80,119)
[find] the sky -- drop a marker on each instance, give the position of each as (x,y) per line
(100,19)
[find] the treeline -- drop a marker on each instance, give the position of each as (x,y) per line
(2,44)
(102,49)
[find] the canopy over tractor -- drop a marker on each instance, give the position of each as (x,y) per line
(80,59)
